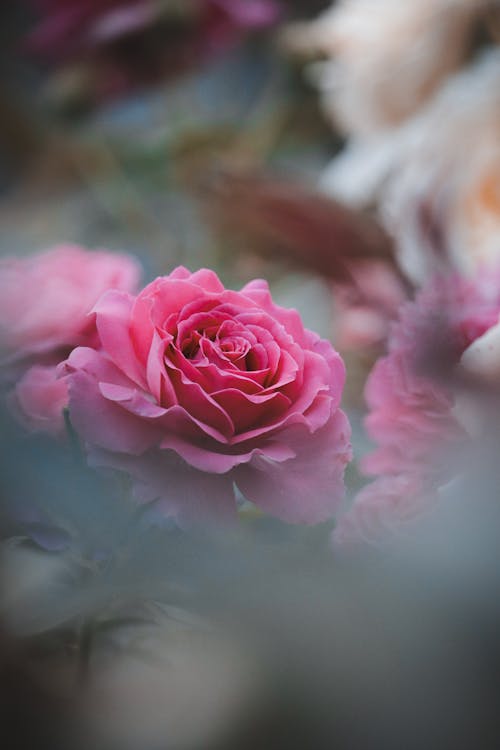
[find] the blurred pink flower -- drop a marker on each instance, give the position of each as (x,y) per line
(365,308)
(133,41)
(382,508)
(45,304)
(196,388)
(69,27)
(411,417)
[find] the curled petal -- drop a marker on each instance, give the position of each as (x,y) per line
(252,410)
(205,458)
(308,488)
(113,325)
(98,419)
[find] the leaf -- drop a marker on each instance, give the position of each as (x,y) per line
(297,222)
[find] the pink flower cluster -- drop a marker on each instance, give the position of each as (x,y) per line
(190,388)
(411,416)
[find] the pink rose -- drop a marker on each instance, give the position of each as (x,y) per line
(197,388)
(45,301)
(412,416)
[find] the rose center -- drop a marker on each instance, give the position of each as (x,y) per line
(233,348)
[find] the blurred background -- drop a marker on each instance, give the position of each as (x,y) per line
(117,119)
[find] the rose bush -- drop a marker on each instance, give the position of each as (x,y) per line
(45,301)
(195,389)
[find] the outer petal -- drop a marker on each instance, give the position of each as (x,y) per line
(205,458)
(99,420)
(207,279)
(305,489)
(177,489)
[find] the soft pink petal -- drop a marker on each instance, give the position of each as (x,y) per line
(206,458)
(39,398)
(207,280)
(306,489)
(101,421)
(45,299)
(133,400)
(113,312)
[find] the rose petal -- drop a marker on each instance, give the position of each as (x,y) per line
(306,489)
(250,411)
(206,458)
(99,420)
(113,312)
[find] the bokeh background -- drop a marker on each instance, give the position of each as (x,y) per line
(181,137)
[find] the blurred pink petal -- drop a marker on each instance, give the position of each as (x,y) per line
(411,398)
(39,399)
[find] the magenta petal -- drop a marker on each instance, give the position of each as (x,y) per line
(199,457)
(170,297)
(315,380)
(207,279)
(132,400)
(119,22)
(249,411)
(306,489)
(99,420)
(113,324)
(336,365)
(156,372)
(250,13)
(202,406)
(289,318)
(206,459)
(96,364)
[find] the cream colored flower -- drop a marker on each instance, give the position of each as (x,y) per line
(442,201)
(385,57)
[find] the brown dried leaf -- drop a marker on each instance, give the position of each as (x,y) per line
(275,216)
